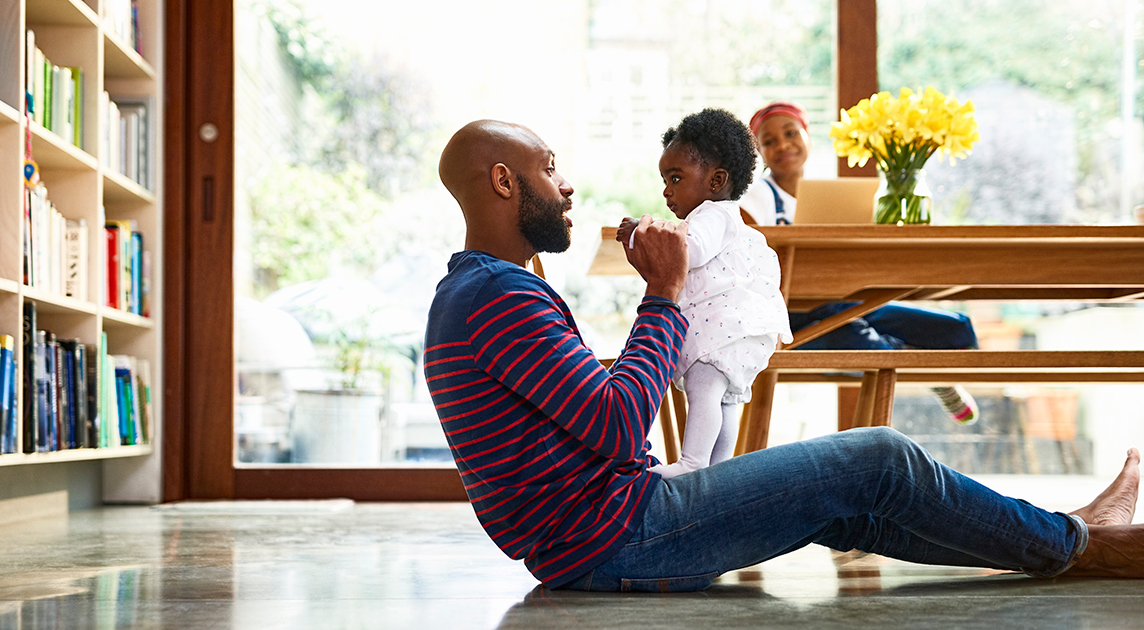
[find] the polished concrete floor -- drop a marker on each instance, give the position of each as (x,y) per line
(343,565)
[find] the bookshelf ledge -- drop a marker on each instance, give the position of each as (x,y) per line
(75,455)
(123,62)
(56,303)
(51,151)
(9,286)
(62,12)
(117,187)
(112,316)
(8,113)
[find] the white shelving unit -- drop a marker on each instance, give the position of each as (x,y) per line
(77,33)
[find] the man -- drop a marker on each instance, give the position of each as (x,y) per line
(552,447)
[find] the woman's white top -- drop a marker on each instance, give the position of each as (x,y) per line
(759,200)
(731,297)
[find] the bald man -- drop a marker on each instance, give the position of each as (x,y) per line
(552,447)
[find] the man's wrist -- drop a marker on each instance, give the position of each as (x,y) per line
(651,301)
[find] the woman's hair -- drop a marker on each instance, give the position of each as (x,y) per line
(718,139)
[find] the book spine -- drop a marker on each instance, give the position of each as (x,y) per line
(77,106)
(92,366)
(137,273)
(31,409)
(42,396)
(79,394)
(113,273)
(65,370)
(55,373)
(75,280)
(7,385)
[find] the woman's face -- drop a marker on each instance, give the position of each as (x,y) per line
(784,144)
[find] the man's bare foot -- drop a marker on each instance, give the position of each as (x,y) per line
(1117,504)
(1115,551)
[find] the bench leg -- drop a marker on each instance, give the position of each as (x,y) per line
(670,440)
(755,424)
(876,398)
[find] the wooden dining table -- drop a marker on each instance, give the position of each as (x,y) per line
(871,265)
(874,264)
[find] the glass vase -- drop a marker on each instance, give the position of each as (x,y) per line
(903,198)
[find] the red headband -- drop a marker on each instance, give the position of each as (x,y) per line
(776,108)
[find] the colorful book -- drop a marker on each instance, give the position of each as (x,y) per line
(43,400)
(112,277)
(77,106)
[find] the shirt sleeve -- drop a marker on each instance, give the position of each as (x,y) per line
(523,339)
(709,231)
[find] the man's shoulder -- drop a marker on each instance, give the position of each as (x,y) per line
(475,271)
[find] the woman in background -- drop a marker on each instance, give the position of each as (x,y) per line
(780,131)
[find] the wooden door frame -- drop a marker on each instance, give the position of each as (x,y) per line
(198,337)
(199,291)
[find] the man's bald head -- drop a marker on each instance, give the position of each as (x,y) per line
(469,157)
(504,178)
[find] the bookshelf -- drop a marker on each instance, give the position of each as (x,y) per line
(85,184)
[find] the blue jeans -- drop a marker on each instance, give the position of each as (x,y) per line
(891,327)
(870,489)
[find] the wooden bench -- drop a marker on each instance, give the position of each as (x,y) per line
(878,371)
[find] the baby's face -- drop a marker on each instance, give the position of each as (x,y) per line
(686,182)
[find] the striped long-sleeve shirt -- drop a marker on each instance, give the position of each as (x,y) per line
(551,446)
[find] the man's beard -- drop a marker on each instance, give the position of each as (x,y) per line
(542,220)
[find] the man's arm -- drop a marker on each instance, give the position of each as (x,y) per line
(522,339)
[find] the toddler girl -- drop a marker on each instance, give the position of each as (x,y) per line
(731,297)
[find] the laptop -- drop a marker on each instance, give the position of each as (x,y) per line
(843,200)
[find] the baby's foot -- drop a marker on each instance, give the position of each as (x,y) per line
(667,471)
(1117,504)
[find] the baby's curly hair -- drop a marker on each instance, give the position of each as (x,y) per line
(719,140)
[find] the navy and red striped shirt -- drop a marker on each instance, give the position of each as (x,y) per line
(551,445)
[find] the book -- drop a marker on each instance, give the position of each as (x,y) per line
(112,277)
(31,369)
(75,392)
(143,387)
(65,369)
(120,248)
(91,366)
(75,264)
(110,400)
(138,146)
(42,396)
(7,387)
(135,292)
(76,106)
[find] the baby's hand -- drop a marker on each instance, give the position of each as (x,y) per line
(626,230)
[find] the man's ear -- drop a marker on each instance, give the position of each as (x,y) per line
(502,180)
(718,179)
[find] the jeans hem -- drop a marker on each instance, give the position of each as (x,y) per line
(1078,549)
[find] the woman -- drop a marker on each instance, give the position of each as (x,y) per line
(780,131)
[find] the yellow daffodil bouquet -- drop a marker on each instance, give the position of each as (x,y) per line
(901,134)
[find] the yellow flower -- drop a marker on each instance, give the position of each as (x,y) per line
(902,132)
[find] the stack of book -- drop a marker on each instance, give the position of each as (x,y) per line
(128,269)
(55,248)
(54,94)
(78,396)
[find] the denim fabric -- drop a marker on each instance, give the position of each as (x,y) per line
(891,327)
(871,489)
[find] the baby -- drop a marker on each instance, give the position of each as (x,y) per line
(731,298)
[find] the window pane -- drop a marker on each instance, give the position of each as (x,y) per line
(343,229)
(1059,101)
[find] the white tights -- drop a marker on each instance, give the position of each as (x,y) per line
(712,427)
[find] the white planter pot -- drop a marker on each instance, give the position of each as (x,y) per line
(337,427)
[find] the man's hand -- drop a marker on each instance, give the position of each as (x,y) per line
(659,255)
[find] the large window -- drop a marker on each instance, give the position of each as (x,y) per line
(343,230)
